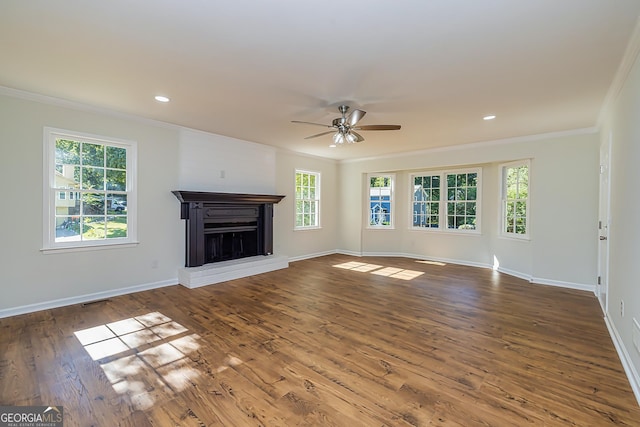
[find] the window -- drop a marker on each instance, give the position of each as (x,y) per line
(426,201)
(462,193)
(307,199)
(515,199)
(446,200)
(381,201)
(98,173)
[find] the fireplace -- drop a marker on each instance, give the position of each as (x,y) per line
(226,226)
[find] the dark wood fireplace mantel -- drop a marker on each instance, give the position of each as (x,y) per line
(224,226)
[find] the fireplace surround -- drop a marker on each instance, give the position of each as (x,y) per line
(226,226)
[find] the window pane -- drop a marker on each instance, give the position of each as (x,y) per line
(470,208)
(92,178)
(116,227)
(471,193)
(461,180)
(116,157)
(116,180)
(92,204)
(451,208)
(93,228)
(92,154)
(117,204)
(67,229)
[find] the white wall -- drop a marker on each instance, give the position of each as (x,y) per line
(209,162)
(564,206)
(623,123)
(29,277)
(169,158)
(299,244)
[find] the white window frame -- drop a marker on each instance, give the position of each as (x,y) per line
(392,202)
(503,201)
(50,192)
(442,210)
(316,201)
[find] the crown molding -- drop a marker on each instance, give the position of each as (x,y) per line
(481,144)
(628,61)
(79,106)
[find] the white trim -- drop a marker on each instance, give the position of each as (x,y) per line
(318,199)
(443,208)
(49,189)
(625,358)
(316,255)
(566,285)
(426,258)
(517,274)
(59,102)
(501,195)
(479,144)
(392,201)
(92,247)
(30,308)
(514,273)
(626,64)
(345,252)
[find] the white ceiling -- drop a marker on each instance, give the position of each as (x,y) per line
(246,68)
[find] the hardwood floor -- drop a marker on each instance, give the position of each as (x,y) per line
(334,340)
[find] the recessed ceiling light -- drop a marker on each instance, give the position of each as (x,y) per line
(161,98)
(333,146)
(489,117)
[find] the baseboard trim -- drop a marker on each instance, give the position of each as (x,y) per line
(519,275)
(309,256)
(625,359)
(31,308)
(561,284)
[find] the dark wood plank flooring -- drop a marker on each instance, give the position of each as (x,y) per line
(335,340)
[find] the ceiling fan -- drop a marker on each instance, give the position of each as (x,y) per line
(345,127)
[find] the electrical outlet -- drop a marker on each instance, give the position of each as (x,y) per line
(621,308)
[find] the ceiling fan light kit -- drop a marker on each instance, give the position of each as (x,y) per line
(344,128)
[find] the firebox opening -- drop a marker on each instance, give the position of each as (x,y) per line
(231,245)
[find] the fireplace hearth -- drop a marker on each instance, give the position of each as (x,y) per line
(226,226)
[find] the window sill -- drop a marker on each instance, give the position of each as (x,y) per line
(97,247)
(306,228)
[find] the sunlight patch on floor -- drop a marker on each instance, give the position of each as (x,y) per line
(397,273)
(358,266)
(438,263)
(144,357)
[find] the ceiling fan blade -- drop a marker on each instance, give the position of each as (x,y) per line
(377,127)
(311,123)
(359,137)
(355,117)
(320,134)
